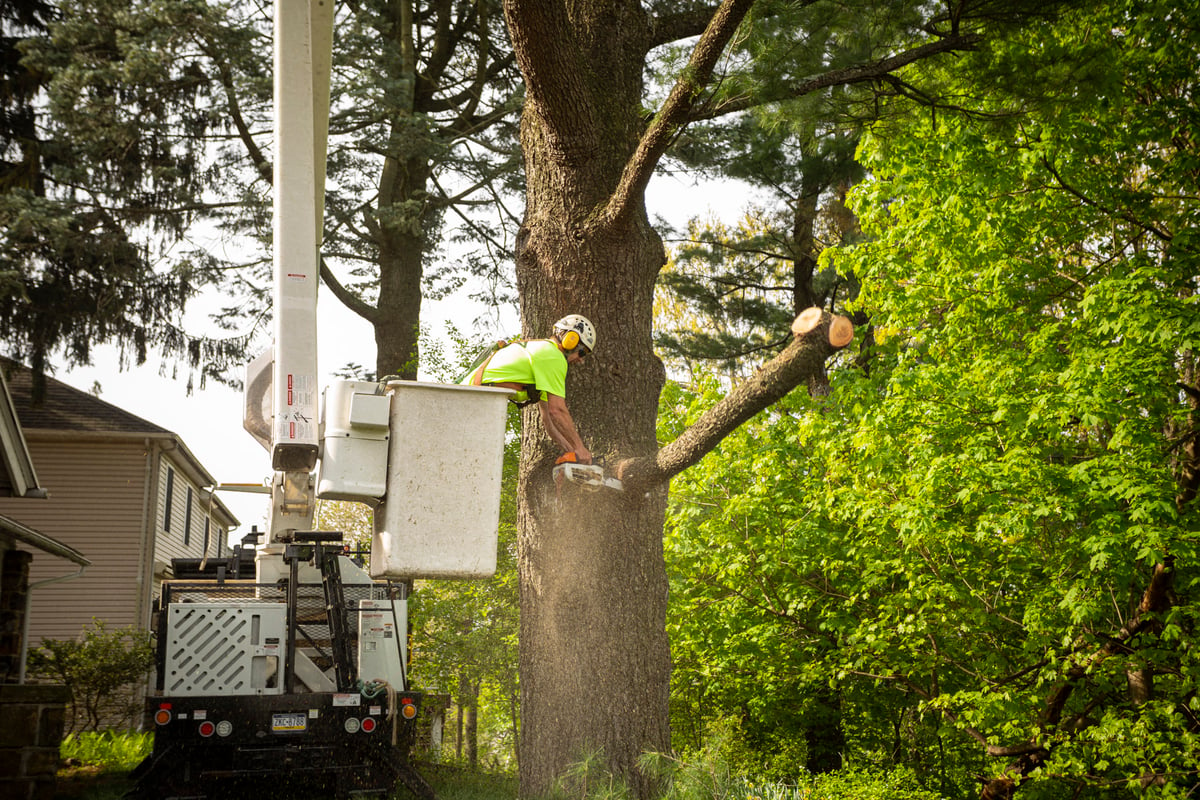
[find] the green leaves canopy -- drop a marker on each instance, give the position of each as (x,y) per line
(995,530)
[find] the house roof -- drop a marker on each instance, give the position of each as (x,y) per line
(17,476)
(23,533)
(65,410)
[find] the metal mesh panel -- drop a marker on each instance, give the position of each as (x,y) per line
(223,662)
(224,648)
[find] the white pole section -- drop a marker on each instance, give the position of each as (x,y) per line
(295,238)
(321,14)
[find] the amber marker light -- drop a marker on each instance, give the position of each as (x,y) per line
(162,716)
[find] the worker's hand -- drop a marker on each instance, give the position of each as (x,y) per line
(578,456)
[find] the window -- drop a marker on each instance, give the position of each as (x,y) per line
(206,529)
(187,519)
(170,496)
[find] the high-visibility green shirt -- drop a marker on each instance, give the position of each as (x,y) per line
(539,362)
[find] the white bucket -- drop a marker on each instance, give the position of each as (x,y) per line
(440,514)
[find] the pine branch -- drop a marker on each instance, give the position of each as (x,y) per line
(261,164)
(865,73)
(349,298)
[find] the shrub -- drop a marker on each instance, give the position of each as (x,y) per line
(102,669)
(850,784)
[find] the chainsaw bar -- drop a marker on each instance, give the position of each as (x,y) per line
(589,476)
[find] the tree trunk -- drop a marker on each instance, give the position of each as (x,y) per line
(402,247)
(472,732)
(594,657)
(824,739)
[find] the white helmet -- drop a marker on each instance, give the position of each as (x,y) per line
(576,330)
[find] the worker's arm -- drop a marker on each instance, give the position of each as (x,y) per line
(557,420)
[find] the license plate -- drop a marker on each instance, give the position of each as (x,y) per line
(289,723)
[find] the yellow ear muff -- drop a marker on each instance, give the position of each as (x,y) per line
(570,340)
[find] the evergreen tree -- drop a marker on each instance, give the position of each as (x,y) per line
(155,140)
(77,271)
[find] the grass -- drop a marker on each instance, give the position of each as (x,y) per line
(97,766)
(456,783)
(106,751)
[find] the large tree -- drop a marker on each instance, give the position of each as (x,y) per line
(82,214)
(595,661)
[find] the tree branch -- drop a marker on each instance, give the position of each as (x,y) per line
(839,77)
(1156,600)
(261,164)
(816,334)
(673,115)
(348,298)
(1125,215)
(673,27)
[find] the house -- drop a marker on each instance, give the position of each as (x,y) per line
(31,716)
(121,489)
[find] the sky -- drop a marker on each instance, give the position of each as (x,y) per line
(209,421)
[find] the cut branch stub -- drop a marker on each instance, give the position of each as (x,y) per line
(841,330)
(807,320)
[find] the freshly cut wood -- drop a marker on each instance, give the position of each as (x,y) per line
(808,320)
(841,331)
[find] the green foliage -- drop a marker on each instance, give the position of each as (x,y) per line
(984,546)
(103,670)
(106,178)
(111,751)
(899,784)
(708,775)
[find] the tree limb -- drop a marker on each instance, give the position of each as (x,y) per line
(673,115)
(1128,216)
(839,77)
(348,298)
(673,27)
(800,361)
(261,163)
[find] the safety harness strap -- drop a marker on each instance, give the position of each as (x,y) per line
(531,392)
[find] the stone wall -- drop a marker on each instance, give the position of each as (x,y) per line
(31,727)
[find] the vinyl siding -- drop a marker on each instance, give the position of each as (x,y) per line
(97,498)
(170,542)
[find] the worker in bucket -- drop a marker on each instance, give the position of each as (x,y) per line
(537,371)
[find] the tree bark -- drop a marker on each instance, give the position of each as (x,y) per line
(594,656)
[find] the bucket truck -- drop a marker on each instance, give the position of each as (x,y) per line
(299,675)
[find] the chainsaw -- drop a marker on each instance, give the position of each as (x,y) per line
(591,477)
